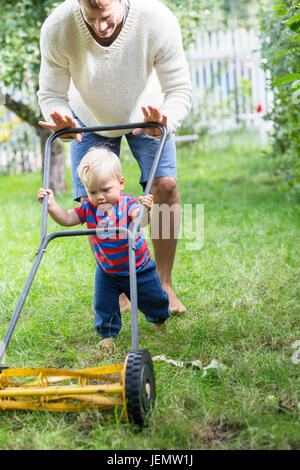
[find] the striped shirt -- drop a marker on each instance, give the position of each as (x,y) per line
(112,249)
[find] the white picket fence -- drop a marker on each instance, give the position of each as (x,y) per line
(230,94)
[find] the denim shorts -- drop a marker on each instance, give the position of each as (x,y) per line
(143,149)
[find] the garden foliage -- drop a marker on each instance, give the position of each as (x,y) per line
(20,54)
(281,50)
(20,63)
(204,15)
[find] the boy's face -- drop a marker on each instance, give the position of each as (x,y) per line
(105,19)
(105,193)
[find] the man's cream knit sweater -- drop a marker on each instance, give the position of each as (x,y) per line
(145,65)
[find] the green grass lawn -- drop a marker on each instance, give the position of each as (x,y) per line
(241,290)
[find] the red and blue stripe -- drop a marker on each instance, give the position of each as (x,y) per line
(112,249)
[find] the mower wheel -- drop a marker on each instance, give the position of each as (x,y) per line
(139,385)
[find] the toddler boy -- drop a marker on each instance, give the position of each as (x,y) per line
(108,206)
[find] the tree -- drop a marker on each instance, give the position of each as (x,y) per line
(21,21)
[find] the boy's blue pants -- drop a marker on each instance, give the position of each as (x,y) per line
(153,301)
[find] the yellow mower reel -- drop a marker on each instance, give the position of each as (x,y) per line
(49,392)
(130,384)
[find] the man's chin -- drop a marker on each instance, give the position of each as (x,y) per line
(106,35)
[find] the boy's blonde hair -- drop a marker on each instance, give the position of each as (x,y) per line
(103,162)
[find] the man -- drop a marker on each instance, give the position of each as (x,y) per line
(103,61)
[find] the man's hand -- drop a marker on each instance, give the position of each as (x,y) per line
(151,114)
(62,122)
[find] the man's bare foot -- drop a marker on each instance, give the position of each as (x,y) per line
(124,303)
(107,343)
(174,304)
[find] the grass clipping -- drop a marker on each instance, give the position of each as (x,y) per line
(212,369)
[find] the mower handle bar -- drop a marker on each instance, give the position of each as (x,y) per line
(78,130)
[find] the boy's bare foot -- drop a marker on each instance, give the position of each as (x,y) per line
(174,304)
(124,303)
(107,343)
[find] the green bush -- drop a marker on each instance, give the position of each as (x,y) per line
(281,50)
